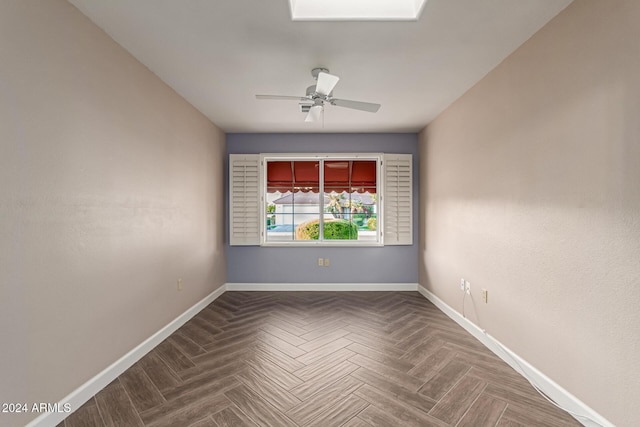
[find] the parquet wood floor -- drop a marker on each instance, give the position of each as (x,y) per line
(353,359)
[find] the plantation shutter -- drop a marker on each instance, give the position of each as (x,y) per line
(244,199)
(398,199)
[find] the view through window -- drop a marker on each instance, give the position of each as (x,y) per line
(324,200)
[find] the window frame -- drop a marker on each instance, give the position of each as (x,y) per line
(377,157)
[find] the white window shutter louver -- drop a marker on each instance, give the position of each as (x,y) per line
(398,199)
(244,199)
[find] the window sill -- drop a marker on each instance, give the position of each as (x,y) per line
(308,244)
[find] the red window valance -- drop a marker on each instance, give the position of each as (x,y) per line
(293,176)
(339,175)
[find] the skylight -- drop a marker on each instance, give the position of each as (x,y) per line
(356,10)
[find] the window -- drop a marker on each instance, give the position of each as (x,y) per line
(307,200)
(321,200)
(356,10)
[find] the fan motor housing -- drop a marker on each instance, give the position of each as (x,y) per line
(305,106)
(311,90)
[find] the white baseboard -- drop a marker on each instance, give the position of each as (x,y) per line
(578,409)
(314,287)
(86,391)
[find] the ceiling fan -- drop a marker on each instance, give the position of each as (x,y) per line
(316,96)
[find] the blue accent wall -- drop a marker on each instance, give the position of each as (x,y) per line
(389,264)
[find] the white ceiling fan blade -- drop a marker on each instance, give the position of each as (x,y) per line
(315,113)
(326,83)
(356,105)
(283,97)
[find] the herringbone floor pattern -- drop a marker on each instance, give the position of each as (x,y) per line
(319,359)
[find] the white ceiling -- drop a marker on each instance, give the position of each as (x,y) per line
(219,53)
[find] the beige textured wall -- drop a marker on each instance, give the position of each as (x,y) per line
(530,188)
(111,188)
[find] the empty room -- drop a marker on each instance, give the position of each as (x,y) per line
(319,213)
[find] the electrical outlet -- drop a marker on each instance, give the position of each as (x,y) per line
(180,284)
(320,262)
(467,287)
(462,284)
(485,296)
(326,262)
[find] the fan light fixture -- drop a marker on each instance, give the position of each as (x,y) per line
(356,10)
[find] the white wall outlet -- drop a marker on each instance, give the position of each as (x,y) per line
(485,296)
(326,262)
(320,262)
(467,287)
(180,284)
(462,284)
